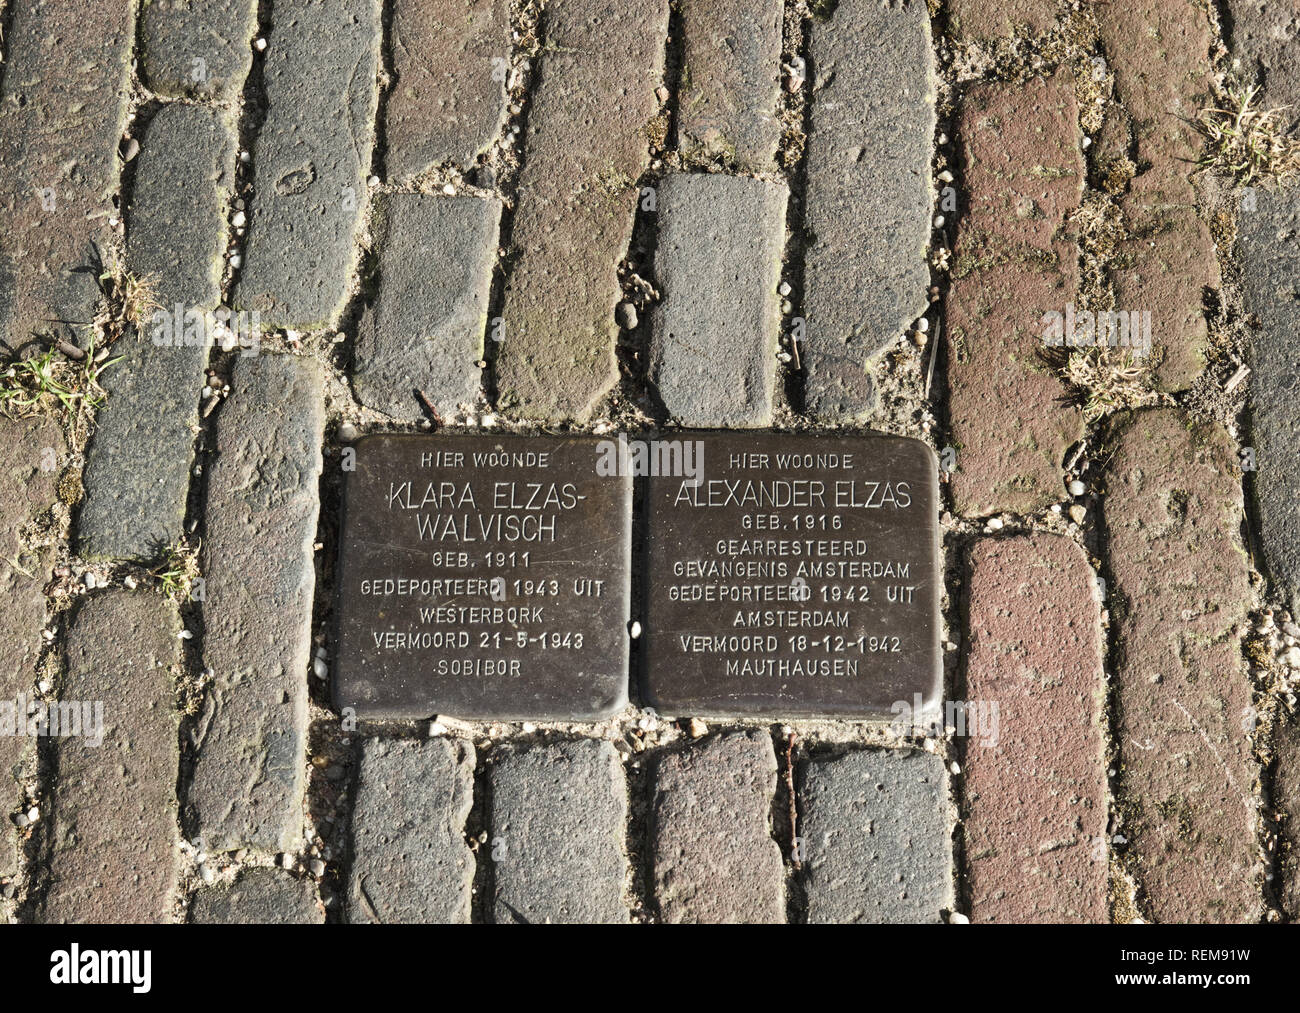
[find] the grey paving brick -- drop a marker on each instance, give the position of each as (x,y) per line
(448,102)
(1268,246)
(714,334)
(114,852)
(310,160)
(425,329)
(730,92)
(714,857)
(868,194)
(258,897)
(31,453)
(1264,39)
(64,95)
(258,564)
(556,816)
(138,463)
(586,146)
(201,48)
(410,862)
(876,839)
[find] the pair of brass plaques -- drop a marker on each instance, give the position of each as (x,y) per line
(492,577)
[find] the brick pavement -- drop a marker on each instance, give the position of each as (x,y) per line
(486,216)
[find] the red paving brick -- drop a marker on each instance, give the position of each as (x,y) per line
(1036,789)
(1012,263)
(1173,512)
(1158,51)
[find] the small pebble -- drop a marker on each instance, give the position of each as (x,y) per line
(1077,513)
(698,729)
(1077,488)
(627,317)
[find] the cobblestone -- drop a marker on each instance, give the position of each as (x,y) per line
(262,506)
(258,897)
(410,862)
(113,856)
(714,334)
(64,92)
(200,48)
(867,225)
(1012,264)
(556,816)
(730,96)
(138,466)
(425,329)
(1264,38)
(1170,258)
(586,146)
(715,860)
(448,101)
(310,161)
(875,838)
(31,452)
(1267,247)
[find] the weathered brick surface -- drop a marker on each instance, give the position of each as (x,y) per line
(310,160)
(410,862)
(138,464)
(586,145)
(1265,38)
(113,807)
(258,897)
(714,857)
(257,561)
(1000,19)
(448,101)
(1286,803)
(1035,775)
(1173,514)
(714,334)
(1159,53)
(63,91)
(730,94)
(176,34)
(875,837)
(868,194)
(425,328)
(1268,247)
(556,815)
(31,452)
(1012,263)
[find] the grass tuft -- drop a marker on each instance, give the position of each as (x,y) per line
(1248,144)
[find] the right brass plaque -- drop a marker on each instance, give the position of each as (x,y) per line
(791,576)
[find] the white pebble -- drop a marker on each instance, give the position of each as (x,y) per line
(260,45)
(1077,488)
(321,669)
(239,220)
(635,630)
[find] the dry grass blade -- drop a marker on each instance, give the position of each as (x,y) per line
(1248,144)
(1107,381)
